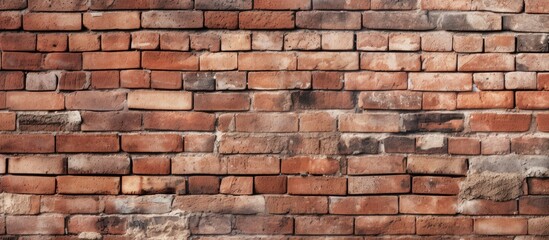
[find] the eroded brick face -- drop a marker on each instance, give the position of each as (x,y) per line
(274,119)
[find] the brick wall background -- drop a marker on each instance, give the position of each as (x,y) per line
(274,119)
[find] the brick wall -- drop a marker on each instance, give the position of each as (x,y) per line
(274,119)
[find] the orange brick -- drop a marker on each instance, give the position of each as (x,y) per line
(111,20)
(317,185)
(52,21)
(27,184)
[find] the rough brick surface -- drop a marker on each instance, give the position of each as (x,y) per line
(274,119)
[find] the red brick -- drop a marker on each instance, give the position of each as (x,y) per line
(379,184)
(22,61)
(221,102)
(84,42)
(62,61)
(267,61)
(488,207)
(266,122)
(52,21)
(172,19)
(96,100)
(166,80)
(316,122)
(492,122)
(270,184)
(485,100)
(437,165)
(43,224)
(206,164)
(538,226)
(73,81)
(71,204)
(376,81)
(115,41)
(264,224)
(464,146)
(390,225)
(152,143)
(27,143)
(203,185)
(170,60)
(87,143)
(368,122)
(194,121)
(199,143)
(17,41)
(111,60)
(7,121)
(390,61)
(486,62)
(256,165)
(221,19)
(10,20)
(534,205)
(140,4)
(436,185)
(27,184)
(439,101)
(37,165)
(328,20)
(271,101)
(111,20)
(13,5)
(153,185)
(97,224)
(366,165)
(317,185)
(159,100)
(417,204)
(206,41)
(538,186)
(536,6)
(279,80)
(87,185)
(105,80)
(277,204)
(495,145)
(309,165)
(145,40)
(12,80)
(236,185)
(58,6)
(327,80)
(56,42)
(532,100)
(135,79)
(266,20)
(444,226)
(111,121)
(327,61)
(151,165)
(218,61)
(501,226)
(323,225)
(391,100)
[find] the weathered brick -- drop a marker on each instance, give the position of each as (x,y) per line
(207,164)
(323,225)
(532,100)
(172,19)
(390,61)
(475,21)
(418,204)
(99,165)
(526,23)
(37,165)
(87,185)
(444,225)
(433,122)
(368,122)
(436,185)
(111,60)
(279,80)
(96,100)
(153,185)
(159,100)
(437,165)
(486,100)
(181,121)
(376,225)
(327,61)
(398,21)
(492,122)
(317,185)
(44,224)
(111,20)
(486,62)
(221,101)
(391,100)
(364,205)
(55,6)
(441,81)
(221,204)
(379,184)
(328,20)
(501,226)
(267,61)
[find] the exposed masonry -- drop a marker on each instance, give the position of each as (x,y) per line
(274,119)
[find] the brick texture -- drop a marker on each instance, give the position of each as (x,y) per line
(274,119)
